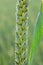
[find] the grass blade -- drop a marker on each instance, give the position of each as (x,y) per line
(35,41)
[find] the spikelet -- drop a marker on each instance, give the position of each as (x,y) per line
(21,39)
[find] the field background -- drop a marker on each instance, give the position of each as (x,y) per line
(7,31)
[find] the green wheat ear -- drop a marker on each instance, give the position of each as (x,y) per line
(21,32)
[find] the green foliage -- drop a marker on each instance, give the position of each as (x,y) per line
(36,40)
(38,34)
(7,27)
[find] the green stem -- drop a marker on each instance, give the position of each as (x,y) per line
(42,6)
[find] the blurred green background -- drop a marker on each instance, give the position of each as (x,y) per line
(7,31)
